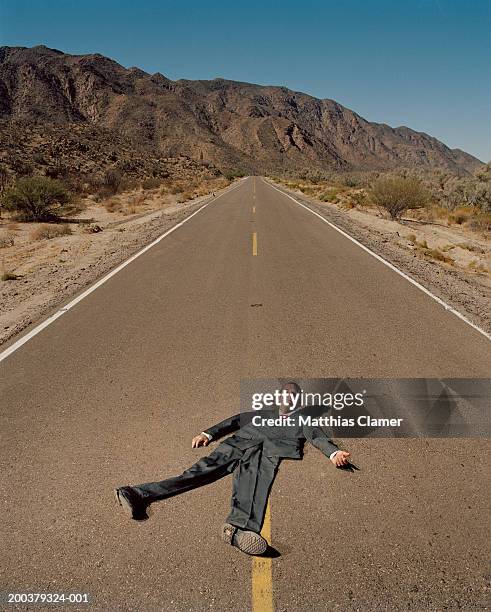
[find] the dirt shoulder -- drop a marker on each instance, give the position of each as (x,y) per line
(460,279)
(49,271)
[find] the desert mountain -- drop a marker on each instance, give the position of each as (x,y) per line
(229,124)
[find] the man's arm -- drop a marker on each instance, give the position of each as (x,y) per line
(318,437)
(224,428)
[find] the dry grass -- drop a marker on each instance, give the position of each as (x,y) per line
(438,255)
(112,205)
(135,203)
(471,247)
(478,267)
(481,223)
(47,231)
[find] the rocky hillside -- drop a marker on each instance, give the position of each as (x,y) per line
(229,124)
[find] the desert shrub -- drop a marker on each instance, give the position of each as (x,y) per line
(4,177)
(128,184)
(151,183)
(92,229)
(233,174)
(459,217)
(349,180)
(397,194)
(474,191)
(20,167)
(176,188)
(111,181)
(38,157)
(359,198)
(36,198)
(112,205)
(58,170)
(481,223)
(48,231)
(185,196)
(439,256)
(7,240)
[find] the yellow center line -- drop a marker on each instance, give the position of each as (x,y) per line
(262,573)
(254,244)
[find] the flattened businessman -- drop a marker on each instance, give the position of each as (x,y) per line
(253,454)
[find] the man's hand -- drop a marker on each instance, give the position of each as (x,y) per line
(341,458)
(200,440)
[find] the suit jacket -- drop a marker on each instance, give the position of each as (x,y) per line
(286,441)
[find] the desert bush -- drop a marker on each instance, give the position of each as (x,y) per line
(474,191)
(36,198)
(359,198)
(439,256)
(112,205)
(471,247)
(176,188)
(185,196)
(151,183)
(58,170)
(481,222)
(48,231)
(396,194)
(38,157)
(92,229)
(233,174)
(4,177)
(111,181)
(20,167)
(459,216)
(7,240)
(478,267)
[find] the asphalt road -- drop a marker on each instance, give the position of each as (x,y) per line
(113,391)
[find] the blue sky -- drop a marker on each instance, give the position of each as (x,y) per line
(421,63)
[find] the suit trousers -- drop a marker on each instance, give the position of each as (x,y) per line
(253,472)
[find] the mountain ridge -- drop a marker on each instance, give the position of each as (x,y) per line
(231,124)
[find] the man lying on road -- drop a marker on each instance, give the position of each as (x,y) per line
(253,454)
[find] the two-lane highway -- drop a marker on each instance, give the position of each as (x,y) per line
(113,391)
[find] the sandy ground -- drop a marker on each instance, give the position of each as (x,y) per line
(462,279)
(49,271)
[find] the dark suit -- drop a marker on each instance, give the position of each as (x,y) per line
(253,453)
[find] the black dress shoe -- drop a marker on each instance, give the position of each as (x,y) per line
(249,542)
(132,503)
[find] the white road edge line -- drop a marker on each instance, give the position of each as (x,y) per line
(21,341)
(387,263)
